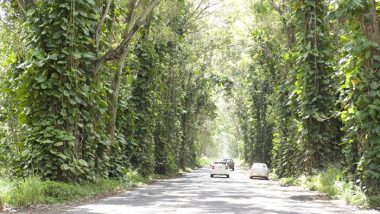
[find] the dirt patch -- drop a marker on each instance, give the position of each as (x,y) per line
(309,197)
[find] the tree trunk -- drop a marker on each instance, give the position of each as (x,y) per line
(115,86)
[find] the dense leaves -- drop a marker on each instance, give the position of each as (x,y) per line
(318,76)
(101,87)
(94,88)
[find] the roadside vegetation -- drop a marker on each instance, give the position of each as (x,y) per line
(101,91)
(33,190)
(310,95)
(331,183)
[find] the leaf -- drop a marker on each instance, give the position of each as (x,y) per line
(53,56)
(63,112)
(91,2)
(48,141)
(374,107)
(25,153)
(65,5)
(375,85)
(30,12)
(42,77)
(61,155)
(58,144)
(72,101)
(88,55)
(78,99)
(83,162)
(65,167)
(77,55)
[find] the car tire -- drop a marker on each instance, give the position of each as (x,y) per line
(211,176)
(250,177)
(228,176)
(233,169)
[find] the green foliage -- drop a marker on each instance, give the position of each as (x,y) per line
(361,115)
(314,88)
(319,62)
(333,185)
(58,192)
(32,191)
(203,161)
(83,97)
(374,201)
(133,178)
(327,181)
(58,101)
(29,191)
(58,98)
(289,181)
(352,194)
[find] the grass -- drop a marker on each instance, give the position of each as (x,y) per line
(5,188)
(29,191)
(33,191)
(333,185)
(291,181)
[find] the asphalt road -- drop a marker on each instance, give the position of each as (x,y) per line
(197,193)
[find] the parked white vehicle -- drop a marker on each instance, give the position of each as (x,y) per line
(219,168)
(259,170)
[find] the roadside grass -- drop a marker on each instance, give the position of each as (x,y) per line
(33,191)
(5,187)
(331,183)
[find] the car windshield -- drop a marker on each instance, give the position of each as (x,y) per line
(228,160)
(220,162)
(259,165)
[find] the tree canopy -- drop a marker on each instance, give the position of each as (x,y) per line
(93,88)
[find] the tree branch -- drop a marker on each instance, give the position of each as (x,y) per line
(22,6)
(275,7)
(131,9)
(117,52)
(100,24)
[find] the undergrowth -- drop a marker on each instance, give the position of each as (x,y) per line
(32,190)
(332,183)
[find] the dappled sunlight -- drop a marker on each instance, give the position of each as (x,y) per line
(198,193)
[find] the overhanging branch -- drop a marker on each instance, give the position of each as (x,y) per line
(132,28)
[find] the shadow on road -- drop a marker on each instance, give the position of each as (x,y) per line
(197,193)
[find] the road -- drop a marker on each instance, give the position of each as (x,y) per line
(197,193)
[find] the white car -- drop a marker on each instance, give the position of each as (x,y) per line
(259,170)
(219,168)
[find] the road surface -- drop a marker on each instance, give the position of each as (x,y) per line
(197,193)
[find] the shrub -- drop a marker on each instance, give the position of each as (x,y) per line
(352,194)
(327,181)
(331,183)
(374,201)
(29,191)
(1,203)
(32,191)
(291,181)
(58,192)
(133,178)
